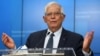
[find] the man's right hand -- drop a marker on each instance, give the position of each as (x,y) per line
(8,41)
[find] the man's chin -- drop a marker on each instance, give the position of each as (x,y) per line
(53,26)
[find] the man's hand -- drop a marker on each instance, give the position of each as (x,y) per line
(8,41)
(87,41)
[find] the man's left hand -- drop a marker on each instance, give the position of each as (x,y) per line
(87,41)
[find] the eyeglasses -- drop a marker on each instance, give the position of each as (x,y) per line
(55,14)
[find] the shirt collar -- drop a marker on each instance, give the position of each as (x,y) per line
(55,33)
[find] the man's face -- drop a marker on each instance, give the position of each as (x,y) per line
(53,16)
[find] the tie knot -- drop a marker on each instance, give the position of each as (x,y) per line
(52,34)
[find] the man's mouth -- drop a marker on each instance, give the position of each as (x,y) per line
(53,21)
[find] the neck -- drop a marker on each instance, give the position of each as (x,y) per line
(54,29)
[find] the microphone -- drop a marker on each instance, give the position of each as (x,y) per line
(48,33)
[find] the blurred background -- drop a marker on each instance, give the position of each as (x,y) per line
(19,18)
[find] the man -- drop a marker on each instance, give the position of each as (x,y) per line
(54,16)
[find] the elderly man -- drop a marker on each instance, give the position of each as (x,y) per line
(61,38)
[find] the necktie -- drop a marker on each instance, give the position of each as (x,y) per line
(50,44)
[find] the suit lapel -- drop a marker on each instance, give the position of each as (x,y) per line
(41,42)
(62,39)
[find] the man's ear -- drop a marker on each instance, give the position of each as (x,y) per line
(44,19)
(63,16)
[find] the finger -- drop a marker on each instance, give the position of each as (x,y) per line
(8,37)
(91,35)
(4,37)
(88,38)
(5,41)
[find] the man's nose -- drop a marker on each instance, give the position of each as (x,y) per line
(52,16)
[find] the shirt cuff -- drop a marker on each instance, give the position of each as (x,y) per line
(19,50)
(15,47)
(86,54)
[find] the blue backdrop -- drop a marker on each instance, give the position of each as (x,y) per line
(18,18)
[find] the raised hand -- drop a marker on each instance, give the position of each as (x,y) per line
(87,41)
(8,41)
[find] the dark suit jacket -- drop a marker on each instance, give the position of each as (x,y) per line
(68,39)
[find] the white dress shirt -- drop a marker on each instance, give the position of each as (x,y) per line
(56,39)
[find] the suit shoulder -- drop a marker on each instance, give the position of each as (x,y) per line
(72,34)
(37,33)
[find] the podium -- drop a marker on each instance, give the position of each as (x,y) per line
(38,52)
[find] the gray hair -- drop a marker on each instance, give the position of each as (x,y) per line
(51,3)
